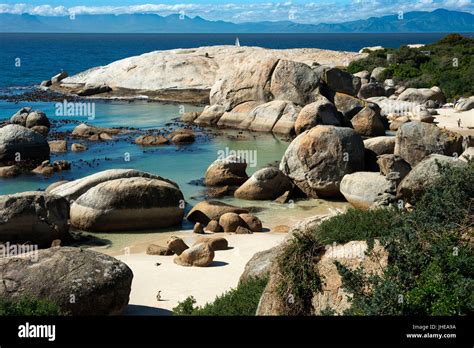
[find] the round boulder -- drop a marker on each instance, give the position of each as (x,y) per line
(317,160)
(98,283)
(33,217)
(18,143)
(200,255)
(253,223)
(267,183)
(362,189)
(216,243)
(128,204)
(322,111)
(226,171)
(230,222)
(368,122)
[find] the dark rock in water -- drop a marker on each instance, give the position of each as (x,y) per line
(33,217)
(80,282)
(150,140)
(93,90)
(39,95)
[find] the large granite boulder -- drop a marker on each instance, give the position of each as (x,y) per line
(86,131)
(266,183)
(464,104)
(73,189)
(338,80)
(424,175)
(33,119)
(380,145)
(367,122)
(378,74)
(422,95)
(18,144)
(260,264)
(348,105)
(33,217)
(249,82)
(128,204)
(238,116)
(370,90)
(416,140)
(317,160)
(278,116)
(226,171)
(321,112)
(210,115)
(206,211)
(364,189)
(80,282)
(293,81)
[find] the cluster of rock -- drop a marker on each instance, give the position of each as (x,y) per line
(24,146)
(178,136)
(200,254)
(222,217)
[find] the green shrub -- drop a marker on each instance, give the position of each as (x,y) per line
(28,307)
(431,261)
(433,64)
(242,301)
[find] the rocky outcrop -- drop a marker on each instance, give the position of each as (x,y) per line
(337,80)
(33,217)
(57,146)
(364,189)
(333,296)
(266,183)
(200,255)
(422,95)
(128,204)
(80,282)
(424,175)
(206,211)
(317,160)
(370,90)
(19,144)
(86,131)
(33,119)
(226,171)
(320,112)
(151,140)
(260,264)
(416,140)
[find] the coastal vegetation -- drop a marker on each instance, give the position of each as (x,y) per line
(241,301)
(28,306)
(430,265)
(447,63)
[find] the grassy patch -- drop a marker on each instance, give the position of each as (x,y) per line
(242,301)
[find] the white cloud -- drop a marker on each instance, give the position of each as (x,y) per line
(310,12)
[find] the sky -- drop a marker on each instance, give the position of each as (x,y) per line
(311,11)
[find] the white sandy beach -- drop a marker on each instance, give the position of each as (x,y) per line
(448,118)
(176,282)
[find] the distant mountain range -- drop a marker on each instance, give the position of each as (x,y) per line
(440,20)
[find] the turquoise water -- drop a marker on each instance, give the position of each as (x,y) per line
(181,164)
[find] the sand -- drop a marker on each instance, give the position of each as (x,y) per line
(176,282)
(448,118)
